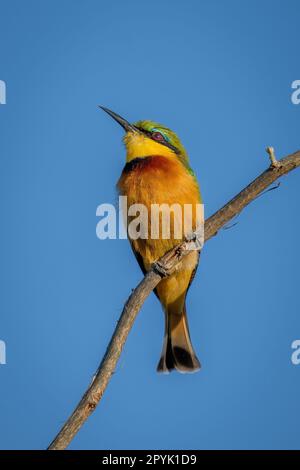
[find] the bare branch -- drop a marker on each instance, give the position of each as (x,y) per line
(164,267)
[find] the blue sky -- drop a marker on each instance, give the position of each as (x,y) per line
(220,74)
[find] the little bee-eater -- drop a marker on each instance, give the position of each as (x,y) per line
(157,171)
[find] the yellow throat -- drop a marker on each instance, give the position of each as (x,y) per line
(139,145)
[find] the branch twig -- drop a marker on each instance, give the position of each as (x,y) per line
(165,266)
(274,162)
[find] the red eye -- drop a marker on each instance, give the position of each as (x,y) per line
(158,136)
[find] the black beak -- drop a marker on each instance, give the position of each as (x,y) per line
(125,124)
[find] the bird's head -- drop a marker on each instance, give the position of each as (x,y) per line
(147,138)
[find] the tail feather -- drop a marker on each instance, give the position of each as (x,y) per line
(178,352)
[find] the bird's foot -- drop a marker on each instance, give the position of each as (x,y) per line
(161,269)
(166,266)
(179,250)
(195,241)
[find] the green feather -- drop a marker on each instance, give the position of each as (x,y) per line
(171,137)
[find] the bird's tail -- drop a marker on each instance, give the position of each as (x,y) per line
(178,352)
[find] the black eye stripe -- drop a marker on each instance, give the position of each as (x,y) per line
(147,133)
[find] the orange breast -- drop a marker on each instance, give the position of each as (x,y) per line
(158,180)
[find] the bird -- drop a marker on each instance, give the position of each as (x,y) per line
(157,171)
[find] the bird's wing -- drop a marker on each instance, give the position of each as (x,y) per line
(193,274)
(138,258)
(141,263)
